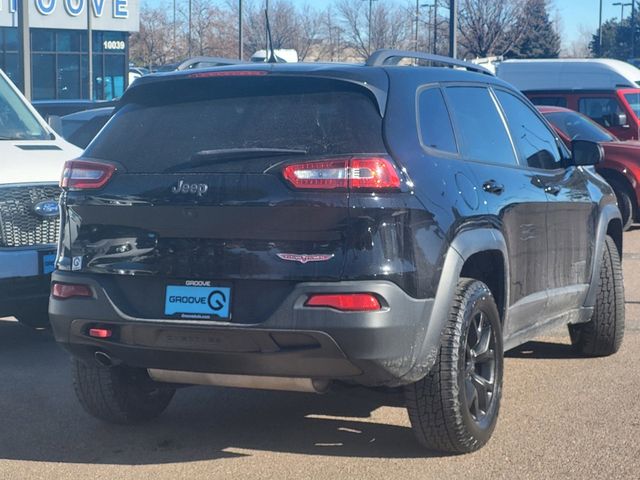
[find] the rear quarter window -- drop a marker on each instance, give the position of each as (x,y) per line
(169,122)
(434,126)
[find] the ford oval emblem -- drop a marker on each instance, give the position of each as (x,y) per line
(48,208)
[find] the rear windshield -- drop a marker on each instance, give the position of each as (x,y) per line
(168,123)
(577,127)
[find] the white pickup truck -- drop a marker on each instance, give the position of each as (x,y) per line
(31,160)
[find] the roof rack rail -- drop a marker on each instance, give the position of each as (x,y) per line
(393,57)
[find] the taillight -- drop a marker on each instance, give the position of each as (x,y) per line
(82,175)
(370,173)
(347,302)
(62,291)
(324,175)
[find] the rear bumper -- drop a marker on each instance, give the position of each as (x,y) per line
(368,348)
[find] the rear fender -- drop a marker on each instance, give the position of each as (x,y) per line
(462,248)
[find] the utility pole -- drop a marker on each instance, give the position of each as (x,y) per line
(240,39)
(24,40)
(90,48)
(453,28)
(600,31)
(174,29)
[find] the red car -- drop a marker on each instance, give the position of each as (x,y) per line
(621,166)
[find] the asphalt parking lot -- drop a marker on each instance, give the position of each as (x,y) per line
(562,417)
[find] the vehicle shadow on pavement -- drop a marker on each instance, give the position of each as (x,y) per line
(43,421)
(544,350)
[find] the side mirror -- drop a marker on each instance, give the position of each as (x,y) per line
(620,120)
(55,122)
(585,153)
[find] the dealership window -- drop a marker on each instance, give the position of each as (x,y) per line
(59,63)
(9,54)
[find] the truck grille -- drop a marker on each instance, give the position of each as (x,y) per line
(20,225)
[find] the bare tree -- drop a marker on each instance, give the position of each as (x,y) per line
(291,27)
(579,48)
(332,37)
(150,45)
(391,25)
(490,27)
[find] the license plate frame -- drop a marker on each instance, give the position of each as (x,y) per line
(46,262)
(198,300)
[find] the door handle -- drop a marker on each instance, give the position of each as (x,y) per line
(552,189)
(491,186)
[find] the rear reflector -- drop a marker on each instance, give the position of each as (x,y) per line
(82,175)
(100,332)
(348,302)
(62,291)
(374,173)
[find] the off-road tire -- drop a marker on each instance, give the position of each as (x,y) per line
(437,404)
(119,395)
(603,334)
(626,203)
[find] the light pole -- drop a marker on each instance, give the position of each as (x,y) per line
(417,23)
(369,25)
(174,28)
(240,39)
(430,24)
(453,28)
(633,29)
(24,39)
(266,33)
(621,5)
(90,48)
(435,27)
(189,46)
(600,31)
(418,7)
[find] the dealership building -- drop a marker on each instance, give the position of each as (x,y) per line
(60,47)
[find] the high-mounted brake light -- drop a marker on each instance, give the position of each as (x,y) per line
(367,173)
(62,291)
(82,175)
(230,73)
(346,302)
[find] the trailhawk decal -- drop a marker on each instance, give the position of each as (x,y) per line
(304,258)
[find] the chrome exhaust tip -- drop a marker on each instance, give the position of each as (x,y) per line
(103,359)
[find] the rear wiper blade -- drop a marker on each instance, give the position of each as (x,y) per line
(208,157)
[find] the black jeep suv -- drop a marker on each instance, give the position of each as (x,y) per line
(287,226)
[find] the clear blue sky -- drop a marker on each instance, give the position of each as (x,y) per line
(574,14)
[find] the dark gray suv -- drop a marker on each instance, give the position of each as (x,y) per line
(287,226)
